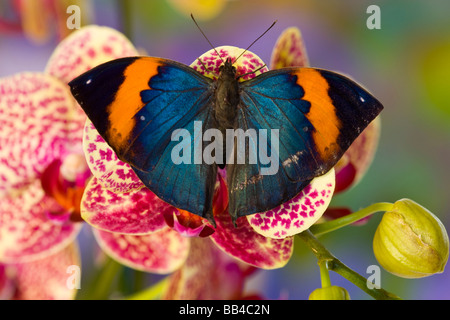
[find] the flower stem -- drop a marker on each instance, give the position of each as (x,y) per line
(324,257)
(124,7)
(151,293)
(100,288)
(321,228)
(324,275)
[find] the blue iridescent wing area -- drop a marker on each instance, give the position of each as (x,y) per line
(317,113)
(136,104)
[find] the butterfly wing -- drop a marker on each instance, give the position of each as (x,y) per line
(136,104)
(249,190)
(317,113)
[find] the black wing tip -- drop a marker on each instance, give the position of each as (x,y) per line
(81,79)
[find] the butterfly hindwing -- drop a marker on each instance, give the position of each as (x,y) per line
(318,115)
(250,190)
(136,104)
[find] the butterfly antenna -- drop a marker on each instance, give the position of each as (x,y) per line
(192,16)
(255,41)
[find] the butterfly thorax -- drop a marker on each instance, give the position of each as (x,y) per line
(226,96)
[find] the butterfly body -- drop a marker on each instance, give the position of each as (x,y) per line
(304,119)
(226,100)
(226,96)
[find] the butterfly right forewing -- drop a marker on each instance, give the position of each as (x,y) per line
(317,113)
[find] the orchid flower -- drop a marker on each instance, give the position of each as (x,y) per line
(42,167)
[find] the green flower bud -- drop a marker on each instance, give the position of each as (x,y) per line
(329,293)
(410,241)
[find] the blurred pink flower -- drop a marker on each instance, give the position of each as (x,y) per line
(208,273)
(352,167)
(42,167)
(44,279)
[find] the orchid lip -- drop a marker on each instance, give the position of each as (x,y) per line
(188,224)
(65,181)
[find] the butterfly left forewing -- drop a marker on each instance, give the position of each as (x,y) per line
(187,185)
(136,104)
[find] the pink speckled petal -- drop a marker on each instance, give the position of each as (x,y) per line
(289,50)
(248,246)
(357,159)
(207,274)
(87,48)
(136,212)
(297,214)
(159,252)
(39,122)
(48,278)
(26,232)
(104,164)
(247,63)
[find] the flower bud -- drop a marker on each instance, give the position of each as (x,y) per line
(410,241)
(330,293)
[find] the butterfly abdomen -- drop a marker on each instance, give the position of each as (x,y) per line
(226,101)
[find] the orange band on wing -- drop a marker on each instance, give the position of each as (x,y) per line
(128,100)
(322,113)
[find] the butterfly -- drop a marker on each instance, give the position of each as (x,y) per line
(139,104)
